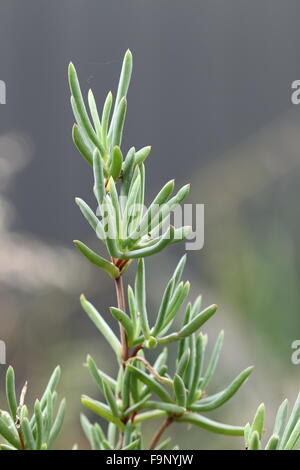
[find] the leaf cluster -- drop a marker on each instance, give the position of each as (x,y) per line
(286,430)
(37,431)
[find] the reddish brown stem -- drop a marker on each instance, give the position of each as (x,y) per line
(136,350)
(21,439)
(160,432)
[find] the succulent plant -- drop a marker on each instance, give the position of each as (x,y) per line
(143,389)
(37,431)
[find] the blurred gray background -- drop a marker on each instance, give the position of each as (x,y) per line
(211,93)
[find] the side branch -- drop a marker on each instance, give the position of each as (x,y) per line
(160,432)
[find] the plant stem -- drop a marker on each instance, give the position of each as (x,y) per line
(121,441)
(20,433)
(160,432)
(121,305)
(135,351)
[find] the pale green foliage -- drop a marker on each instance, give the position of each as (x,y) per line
(38,431)
(128,233)
(285,434)
(141,391)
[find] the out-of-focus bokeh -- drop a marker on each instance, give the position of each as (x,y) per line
(211,92)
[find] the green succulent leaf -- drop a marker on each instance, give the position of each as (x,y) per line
(142,154)
(94,114)
(118,122)
(163,309)
(86,426)
(272,443)
(97,260)
(110,399)
(101,324)
(105,116)
(116,163)
(217,400)
(294,437)
(128,166)
(125,321)
(213,361)
(179,391)
(292,423)
(183,362)
(154,208)
(39,424)
(11,392)
(98,375)
(151,384)
(8,430)
(52,384)
(27,434)
(168,407)
(281,418)
(210,425)
(102,410)
(179,270)
(81,109)
(196,370)
(58,422)
(88,214)
(124,79)
(138,405)
(99,186)
(140,295)
(258,421)
(151,250)
(133,445)
(254,443)
(82,145)
(198,321)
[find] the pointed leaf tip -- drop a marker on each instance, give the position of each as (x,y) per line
(71,67)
